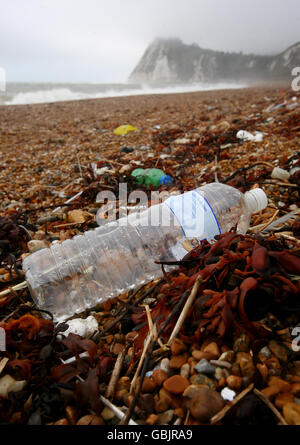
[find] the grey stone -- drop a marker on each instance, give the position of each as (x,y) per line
(204,367)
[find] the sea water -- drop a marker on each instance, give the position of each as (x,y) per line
(33,93)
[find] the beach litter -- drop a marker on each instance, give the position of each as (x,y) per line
(141,367)
(124,129)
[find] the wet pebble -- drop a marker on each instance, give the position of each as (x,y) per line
(203,403)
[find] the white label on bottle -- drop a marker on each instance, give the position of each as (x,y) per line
(195,215)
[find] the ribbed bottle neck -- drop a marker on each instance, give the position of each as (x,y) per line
(256,200)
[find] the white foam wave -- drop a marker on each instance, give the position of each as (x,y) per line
(66,94)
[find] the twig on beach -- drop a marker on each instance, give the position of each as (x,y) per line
(15,288)
(115,374)
(185,310)
(261,227)
(244,169)
(115,410)
(271,406)
(146,347)
(147,361)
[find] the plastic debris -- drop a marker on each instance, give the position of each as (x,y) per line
(279,173)
(124,129)
(151,176)
(246,136)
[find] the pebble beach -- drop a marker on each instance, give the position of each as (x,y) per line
(222,363)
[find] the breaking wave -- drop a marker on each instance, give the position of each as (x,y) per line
(38,96)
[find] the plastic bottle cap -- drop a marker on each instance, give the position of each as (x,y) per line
(256,200)
(165,179)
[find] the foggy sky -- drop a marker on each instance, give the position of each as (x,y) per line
(102,40)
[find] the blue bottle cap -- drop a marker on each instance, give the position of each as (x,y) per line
(165,179)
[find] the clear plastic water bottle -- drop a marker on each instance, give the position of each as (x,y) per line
(77,274)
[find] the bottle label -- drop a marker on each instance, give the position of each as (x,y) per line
(195,215)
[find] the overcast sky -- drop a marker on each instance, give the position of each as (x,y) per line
(102,40)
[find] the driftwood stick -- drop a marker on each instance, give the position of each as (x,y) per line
(185,310)
(146,347)
(271,406)
(115,410)
(148,355)
(115,374)
(243,169)
(19,286)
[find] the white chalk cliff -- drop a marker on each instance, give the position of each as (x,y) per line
(172,61)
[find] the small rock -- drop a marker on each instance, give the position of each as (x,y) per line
(280,383)
(177,361)
(124,383)
(117,348)
(246,364)
(107,414)
(228,394)
(276,386)
(203,403)
(185,371)
(39,235)
(161,402)
(120,395)
(86,328)
(177,347)
(76,216)
(159,377)
(35,245)
(279,351)
(176,384)
(165,365)
(221,364)
(71,414)
(179,412)
(264,354)
(90,420)
(152,419)
(291,413)
(201,379)
(283,399)
(213,349)
(148,385)
(296,389)
(146,403)
(221,373)
(62,422)
(234,382)
(204,367)
(199,355)
(126,150)
(263,370)
(241,344)
(227,356)
(166,417)
(124,169)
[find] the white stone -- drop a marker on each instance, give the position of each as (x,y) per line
(228,394)
(86,328)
